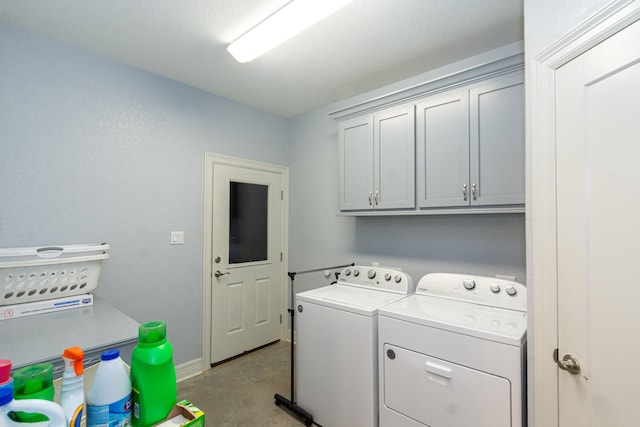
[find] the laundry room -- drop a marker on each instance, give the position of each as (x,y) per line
(113,132)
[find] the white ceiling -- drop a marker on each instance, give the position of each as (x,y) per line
(366,45)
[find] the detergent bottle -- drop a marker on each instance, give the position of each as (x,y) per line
(33,382)
(51,410)
(72,389)
(153,375)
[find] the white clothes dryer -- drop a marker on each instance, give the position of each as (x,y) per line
(454,354)
(337,344)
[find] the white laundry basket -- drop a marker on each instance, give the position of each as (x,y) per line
(37,274)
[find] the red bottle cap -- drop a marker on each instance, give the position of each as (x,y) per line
(5,371)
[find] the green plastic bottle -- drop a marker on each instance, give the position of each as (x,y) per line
(32,382)
(153,375)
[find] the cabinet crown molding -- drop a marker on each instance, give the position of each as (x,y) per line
(443,83)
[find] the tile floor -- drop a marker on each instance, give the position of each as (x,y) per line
(240,392)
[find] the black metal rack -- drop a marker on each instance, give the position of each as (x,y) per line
(280,400)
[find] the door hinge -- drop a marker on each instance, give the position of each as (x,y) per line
(281,194)
(280,256)
(281,319)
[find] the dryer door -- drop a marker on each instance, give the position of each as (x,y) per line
(435,392)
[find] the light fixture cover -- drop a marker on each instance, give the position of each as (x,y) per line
(293,18)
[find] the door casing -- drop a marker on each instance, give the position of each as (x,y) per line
(541,205)
(207,241)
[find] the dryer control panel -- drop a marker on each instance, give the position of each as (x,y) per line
(482,290)
(380,278)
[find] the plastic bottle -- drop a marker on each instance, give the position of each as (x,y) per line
(153,375)
(6,382)
(72,389)
(33,382)
(109,399)
(51,410)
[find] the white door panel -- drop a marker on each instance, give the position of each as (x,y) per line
(246,252)
(598,128)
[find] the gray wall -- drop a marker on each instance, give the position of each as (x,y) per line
(93,151)
(319,236)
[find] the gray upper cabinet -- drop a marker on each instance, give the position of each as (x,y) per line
(470,146)
(443,150)
(497,142)
(450,145)
(355,138)
(377,160)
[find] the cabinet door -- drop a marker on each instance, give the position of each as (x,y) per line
(443,151)
(497,142)
(394,158)
(355,141)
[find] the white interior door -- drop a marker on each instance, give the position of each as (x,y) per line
(246,259)
(598,172)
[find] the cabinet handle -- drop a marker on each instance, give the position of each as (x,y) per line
(464,192)
(370,200)
(375,197)
(473,191)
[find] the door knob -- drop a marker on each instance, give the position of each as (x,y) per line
(569,363)
(218,273)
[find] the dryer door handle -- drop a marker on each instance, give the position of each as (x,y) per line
(442,371)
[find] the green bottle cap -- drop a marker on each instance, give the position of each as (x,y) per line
(32,380)
(152,332)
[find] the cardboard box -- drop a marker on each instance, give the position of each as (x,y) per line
(183,414)
(48,306)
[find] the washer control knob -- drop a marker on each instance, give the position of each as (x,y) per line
(347,272)
(387,277)
(495,288)
(397,278)
(371,274)
(356,273)
(469,284)
(511,291)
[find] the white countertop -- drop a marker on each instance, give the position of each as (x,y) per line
(43,337)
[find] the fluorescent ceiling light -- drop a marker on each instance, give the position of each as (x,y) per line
(281,26)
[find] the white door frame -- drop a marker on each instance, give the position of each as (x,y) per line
(207,241)
(541,205)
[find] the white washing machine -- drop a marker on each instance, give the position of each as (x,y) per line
(337,344)
(454,354)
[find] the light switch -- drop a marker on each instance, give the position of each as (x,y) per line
(177,237)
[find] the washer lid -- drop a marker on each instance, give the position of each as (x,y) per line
(495,324)
(350,298)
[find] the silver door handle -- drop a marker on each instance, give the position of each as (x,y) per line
(464,192)
(218,273)
(569,363)
(473,191)
(370,198)
(375,198)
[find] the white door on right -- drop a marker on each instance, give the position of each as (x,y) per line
(598,232)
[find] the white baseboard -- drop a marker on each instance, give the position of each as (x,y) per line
(188,370)
(287,336)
